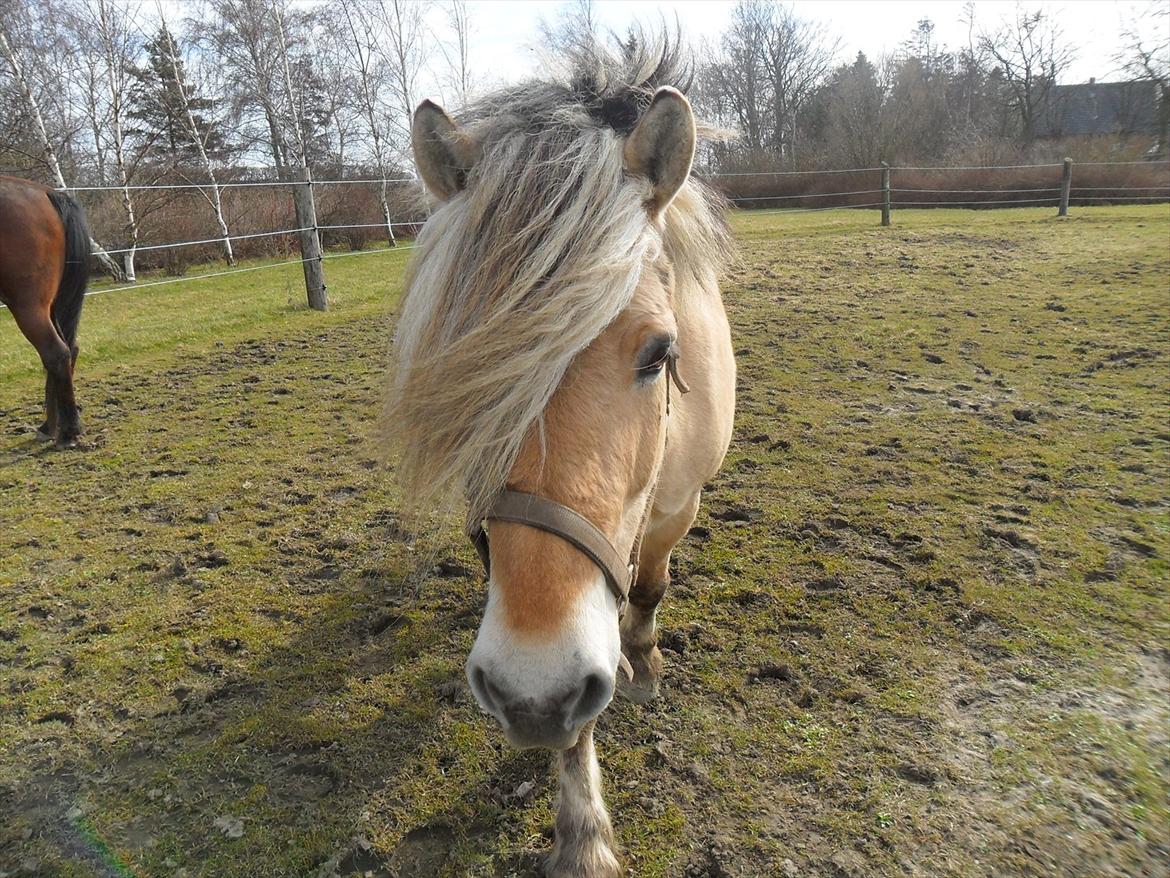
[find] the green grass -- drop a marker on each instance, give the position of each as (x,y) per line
(952,448)
(126,325)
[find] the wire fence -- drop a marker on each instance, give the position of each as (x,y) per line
(955,186)
(244,270)
(254,235)
(231,184)
(789,194)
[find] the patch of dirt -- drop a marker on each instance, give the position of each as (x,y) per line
(423,851)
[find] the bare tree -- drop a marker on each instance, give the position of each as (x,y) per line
(214,201)
(363,47)
(49,152)
(796,57)
(293,110)
(329,48)
(16,134)
(971,70)
(83,71)
(1145,52)
(403,50)
(241,34)
(457,49)
(574,26)
(110,43)
(1145,55)
(35,35)
(739,78)
(855,119)
(770,64)
(1031,53)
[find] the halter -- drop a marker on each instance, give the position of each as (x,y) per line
(572,527)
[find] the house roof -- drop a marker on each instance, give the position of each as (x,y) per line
(1101,108)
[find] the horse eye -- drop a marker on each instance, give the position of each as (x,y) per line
(652,358)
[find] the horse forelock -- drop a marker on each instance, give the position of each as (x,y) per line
(517,274)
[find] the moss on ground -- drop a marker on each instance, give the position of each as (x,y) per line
(919,627)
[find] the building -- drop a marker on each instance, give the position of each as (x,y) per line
(1107,109)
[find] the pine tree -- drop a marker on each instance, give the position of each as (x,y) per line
(158,107)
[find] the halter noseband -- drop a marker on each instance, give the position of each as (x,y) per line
(572,527)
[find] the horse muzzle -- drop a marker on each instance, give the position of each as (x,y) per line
(549,721)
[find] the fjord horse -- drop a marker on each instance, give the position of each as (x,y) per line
(566,280)
(44,267)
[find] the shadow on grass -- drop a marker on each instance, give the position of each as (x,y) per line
(277,769)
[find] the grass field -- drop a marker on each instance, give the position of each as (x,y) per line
(920,627)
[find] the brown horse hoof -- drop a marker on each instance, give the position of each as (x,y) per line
(69,440)
(42,436)
(647,667)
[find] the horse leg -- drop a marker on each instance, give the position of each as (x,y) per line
(48,429)
(68,416)
(57,358)
(584,836)
(638,627)
(52,407)
(72,406)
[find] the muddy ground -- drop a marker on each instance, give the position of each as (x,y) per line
(920,626)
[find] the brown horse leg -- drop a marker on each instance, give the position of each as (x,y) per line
(57,359)
(68,417)
(639,632)
(48,429)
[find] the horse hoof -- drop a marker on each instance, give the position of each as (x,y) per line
(647,667)
(636,694)
(586,858)
(42,436)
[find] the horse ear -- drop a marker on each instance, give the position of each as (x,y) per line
(443,151)
(662,146)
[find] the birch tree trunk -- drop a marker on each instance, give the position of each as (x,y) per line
(193,129)
(363,56)
(117,84)
(295,116)
(50,154)
(459,17)
(404,25)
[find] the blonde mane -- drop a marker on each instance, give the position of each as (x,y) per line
(518,273)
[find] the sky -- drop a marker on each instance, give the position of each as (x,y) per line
(504,31)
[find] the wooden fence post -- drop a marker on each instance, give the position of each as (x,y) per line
(885,193)
(306,210)
(1065,186)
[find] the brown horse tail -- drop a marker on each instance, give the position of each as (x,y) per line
(70,294)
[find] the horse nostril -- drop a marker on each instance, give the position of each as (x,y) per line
(485,693)
(595,693)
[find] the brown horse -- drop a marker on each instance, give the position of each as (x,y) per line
(44,266)
(566,280)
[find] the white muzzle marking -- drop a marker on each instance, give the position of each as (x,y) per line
(543,690)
